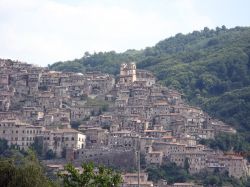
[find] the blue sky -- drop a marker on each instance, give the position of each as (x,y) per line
(43,32)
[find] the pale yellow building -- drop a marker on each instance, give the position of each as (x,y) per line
(19,134)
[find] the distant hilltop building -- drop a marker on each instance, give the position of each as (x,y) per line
(127,73)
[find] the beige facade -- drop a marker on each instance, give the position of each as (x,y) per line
(96,137)
(23,135)
(154,157)
(127,73)
(196,161)
(19,134)
(131,180)
(122,139)
(235,165)
(57,140)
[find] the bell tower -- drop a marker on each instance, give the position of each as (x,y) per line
(127,73)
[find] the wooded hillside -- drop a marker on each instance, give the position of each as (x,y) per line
(210,67)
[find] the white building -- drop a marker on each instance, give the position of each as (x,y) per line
(22,135)
(57,140)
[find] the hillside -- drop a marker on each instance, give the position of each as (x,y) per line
(210,67)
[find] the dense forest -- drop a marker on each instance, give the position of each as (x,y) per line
(210,67)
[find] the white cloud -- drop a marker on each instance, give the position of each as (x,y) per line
(46,31)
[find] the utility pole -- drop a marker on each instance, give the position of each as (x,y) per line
(139,159)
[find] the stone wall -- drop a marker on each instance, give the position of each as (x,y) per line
(121,159)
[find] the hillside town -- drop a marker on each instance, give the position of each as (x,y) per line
(109,120)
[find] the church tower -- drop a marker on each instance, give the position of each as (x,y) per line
(127,73)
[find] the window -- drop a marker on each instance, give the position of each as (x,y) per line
(3,131)
(72,138)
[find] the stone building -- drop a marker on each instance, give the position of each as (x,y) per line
(154,157)
(21,135)
(131,180)
(127,73)
(146,76)
(96,137)
(60,139)
(196,160)
(235,165)
(123,139)
(124,159)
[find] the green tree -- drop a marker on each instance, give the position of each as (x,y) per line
(22,171)
(186,165)
(168,171)
(105,177)
(38,146)
(75,124)
(50,154)
(3,146)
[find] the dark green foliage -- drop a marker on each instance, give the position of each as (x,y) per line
(226,142)
(106,126)
(186,165)
(75,124)
(210,67)
(22,171)
(38,146)
(172,173)
(107,62)
(3,146)
(50,155)
(233,107)
(143,162)
(238,143)
(216,178)
(64,153)
(89,177)
(43,88)
(169,171)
